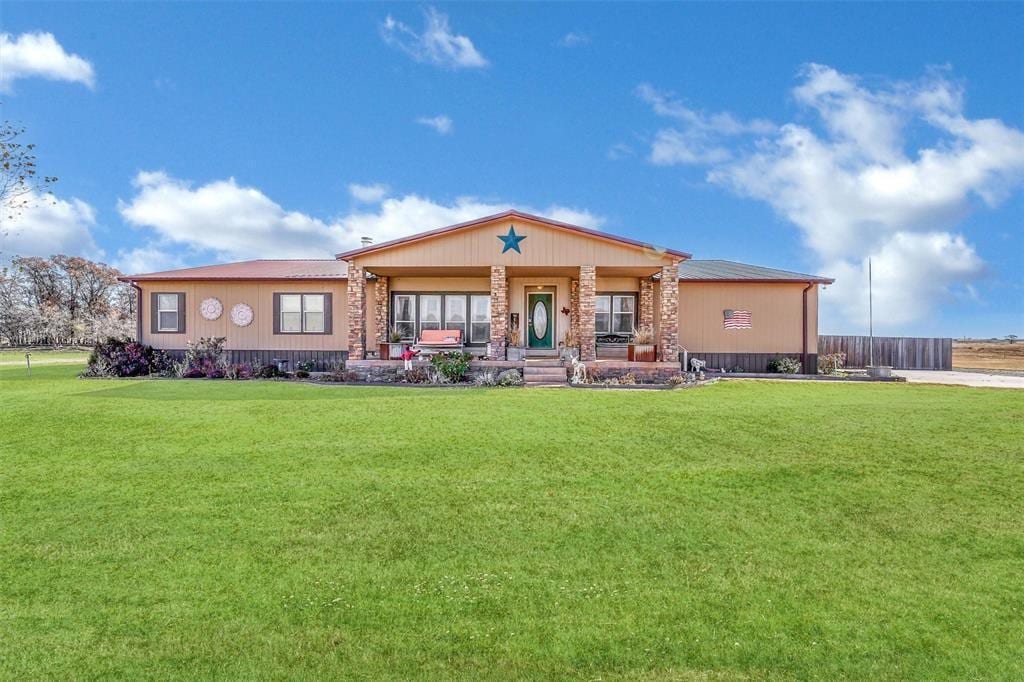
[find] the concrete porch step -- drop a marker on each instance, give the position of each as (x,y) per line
(546,362)
(539,372)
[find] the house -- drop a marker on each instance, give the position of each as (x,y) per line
(486,278)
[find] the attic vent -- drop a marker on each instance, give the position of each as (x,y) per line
(366,241)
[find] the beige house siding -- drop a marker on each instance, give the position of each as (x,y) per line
(543,246)
(776,311)
(259,295)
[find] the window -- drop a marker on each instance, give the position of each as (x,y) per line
(430,312)
(411,313)
(167,313)
(480,323)
(602,314)
(614,313)
(622,314)
(455,313)
(405,315)
(302,313)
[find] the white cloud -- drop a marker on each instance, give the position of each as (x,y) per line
(435,45)
(853,190)
(620,150)
(442,124)
(50,226)
(40,55)
(149,258)
(368,194)
(698,138)
(234,222)
(574,39)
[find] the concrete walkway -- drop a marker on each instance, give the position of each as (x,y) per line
(960,378)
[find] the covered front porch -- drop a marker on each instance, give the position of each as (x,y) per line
(507,313)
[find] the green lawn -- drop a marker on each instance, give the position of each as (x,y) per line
(745,530)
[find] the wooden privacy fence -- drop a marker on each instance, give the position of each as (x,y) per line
(900,352)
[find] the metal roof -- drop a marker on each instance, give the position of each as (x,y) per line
(731,271)
(254,269)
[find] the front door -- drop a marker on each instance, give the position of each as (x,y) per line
(540,332)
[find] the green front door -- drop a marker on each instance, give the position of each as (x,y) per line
(540,323)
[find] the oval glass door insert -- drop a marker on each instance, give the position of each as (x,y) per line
(540,320)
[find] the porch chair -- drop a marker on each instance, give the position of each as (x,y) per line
(438,340)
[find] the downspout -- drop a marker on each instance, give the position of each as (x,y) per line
(138,311)
(803,354)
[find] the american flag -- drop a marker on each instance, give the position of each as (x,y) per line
(736,319)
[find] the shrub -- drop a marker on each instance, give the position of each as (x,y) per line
(270,371)
(627,379)
(784,366)
(510,377)
(306,366)
(340,375)
(831,363)
(416,375)
(302,374)
(205,358)
(486,378)
(124,358)
(676,380)
(452,366)
(238,371)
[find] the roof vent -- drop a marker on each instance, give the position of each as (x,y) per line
(366,241)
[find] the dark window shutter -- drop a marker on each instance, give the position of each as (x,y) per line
(152,313)
(328,313)
(277,313)
(181,313)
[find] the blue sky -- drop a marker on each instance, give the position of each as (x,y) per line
(803,136)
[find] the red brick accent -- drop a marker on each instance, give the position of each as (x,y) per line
(646,321)
(668,328)
(499,311)
(587,293)
(356,294)
(382,297)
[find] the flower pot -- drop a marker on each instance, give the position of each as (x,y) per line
(642,352)
(516,353)
(395,351)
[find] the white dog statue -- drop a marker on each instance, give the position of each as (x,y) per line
(697,364)
(579,372)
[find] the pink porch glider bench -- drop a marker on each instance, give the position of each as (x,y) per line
(438,340)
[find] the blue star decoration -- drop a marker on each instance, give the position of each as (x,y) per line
(511,240)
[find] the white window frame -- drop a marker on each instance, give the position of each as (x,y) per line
(160,311)
(474,322)
(616,300)
(303,312)
(411,321)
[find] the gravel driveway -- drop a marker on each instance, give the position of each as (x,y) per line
(960,378)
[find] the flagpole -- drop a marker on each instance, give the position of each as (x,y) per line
(871,321)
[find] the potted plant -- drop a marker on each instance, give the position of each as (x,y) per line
(641,347)
(570,349)
(515,350)
(393,349)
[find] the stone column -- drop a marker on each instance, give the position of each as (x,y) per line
(356,295)
(574,309)
(668,329)
(587,293)
(382,296)
(499,311)
(646,320)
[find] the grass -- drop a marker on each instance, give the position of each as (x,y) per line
(746,530)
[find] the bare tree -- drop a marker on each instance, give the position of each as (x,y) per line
(20,182)
(1011,338)
(63,300)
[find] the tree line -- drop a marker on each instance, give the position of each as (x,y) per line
(63,300)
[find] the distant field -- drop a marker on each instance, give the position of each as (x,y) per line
(988,355)
(44,356)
